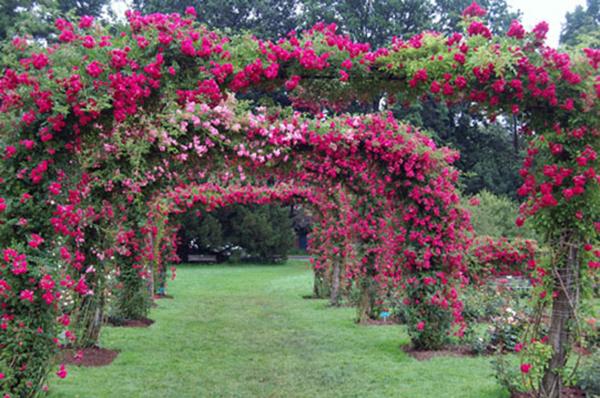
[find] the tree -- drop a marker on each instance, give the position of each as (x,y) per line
(35,17)
(375,22)
(582,25)
(264,18)
(449,14)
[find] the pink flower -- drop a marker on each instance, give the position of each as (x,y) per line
(55,188)
(525,368)
(477,28)
(541,30)
(64,254)
(28,144)
(39,61)
(474,10)
(9,151)
(187,47)
(35,241)
(66,36)
(94,69)
(292,82)
(86,21)
(347,63)
(191,11)
(420,326)
(26,295)
(62,372)
(271,71)
(88,42)
(518,347)
(516,30)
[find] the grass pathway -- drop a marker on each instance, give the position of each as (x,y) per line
(245,331)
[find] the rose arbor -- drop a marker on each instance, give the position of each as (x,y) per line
(97,128)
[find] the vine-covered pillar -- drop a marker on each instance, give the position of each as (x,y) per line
(334,296)
(133,296)
(369,290)
(89,310)
(565,281)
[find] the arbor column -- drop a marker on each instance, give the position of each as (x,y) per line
(566,283)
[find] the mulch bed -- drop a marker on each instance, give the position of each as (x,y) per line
(449,351)
(584,352)
(163,296)
(565,392)
(133,323)
(312,297)
(380,322)
(88,357)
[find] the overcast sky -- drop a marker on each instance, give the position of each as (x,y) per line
(534,11)
(551,11)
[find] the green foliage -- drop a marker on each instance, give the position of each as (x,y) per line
(35,17)
(483,146)
(582,24)
(495,216)
(588,375)
(265,18)
(265,232)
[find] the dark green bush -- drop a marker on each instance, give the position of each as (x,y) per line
(588,375)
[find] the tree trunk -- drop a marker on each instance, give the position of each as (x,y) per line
(321,287)
(89,318)
(368,297)
(335,284)
(566,281)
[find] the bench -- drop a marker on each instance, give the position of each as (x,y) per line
(201,258)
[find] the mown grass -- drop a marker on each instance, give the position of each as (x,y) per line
(245,331)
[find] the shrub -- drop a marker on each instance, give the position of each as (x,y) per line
(495,215)
(588,375)
(265,232)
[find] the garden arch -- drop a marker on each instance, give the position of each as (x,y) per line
(96,124)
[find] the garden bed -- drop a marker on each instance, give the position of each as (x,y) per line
(448,351)
(88,357)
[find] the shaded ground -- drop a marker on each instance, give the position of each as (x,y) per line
(245,331)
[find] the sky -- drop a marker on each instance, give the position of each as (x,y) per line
(551,11)
(534,11)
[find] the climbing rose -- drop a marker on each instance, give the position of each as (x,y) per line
(85,21)
(540,30)
(191,11)
(94,69)
(26,295)
(525,368)
(420,326)
(35,241)
(2,205)
(477,28)
(62,372)
(474,10)
(39,61)
(292,83)
(516,30)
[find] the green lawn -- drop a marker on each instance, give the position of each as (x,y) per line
(245,331)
